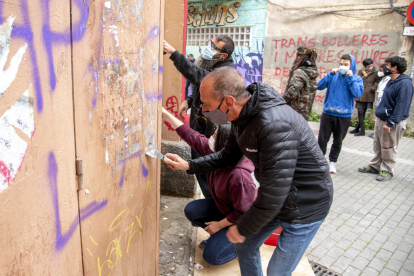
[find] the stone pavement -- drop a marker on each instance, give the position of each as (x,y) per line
(369,230)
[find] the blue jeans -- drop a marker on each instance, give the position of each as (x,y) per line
(292,244)
(219,250)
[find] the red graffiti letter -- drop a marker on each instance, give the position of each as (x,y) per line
(373,40)
(383,42)
(364,40)
(325,41)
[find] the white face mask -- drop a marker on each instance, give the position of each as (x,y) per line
(343,69)
(212,143)
(380,74)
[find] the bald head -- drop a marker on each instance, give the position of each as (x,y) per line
(224,89)
(226,81)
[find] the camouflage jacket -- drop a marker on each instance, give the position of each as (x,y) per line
(301,89)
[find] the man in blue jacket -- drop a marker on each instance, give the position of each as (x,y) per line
(390,124)
(344,85)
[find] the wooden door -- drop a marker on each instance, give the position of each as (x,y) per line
(117,95)
(39,222)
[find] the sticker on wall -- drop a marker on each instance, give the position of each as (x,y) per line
(18,119)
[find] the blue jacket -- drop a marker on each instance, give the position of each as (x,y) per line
(396,101)
(342,90)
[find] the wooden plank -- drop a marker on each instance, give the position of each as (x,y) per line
(116,91)
(39,222)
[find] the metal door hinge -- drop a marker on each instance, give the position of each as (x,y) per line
(79,173)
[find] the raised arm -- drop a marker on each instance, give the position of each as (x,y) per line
(355,85)
(324,83)
(195,140)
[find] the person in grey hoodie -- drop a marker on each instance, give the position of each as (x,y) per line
(391,113)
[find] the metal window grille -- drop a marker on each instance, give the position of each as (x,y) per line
(200,36)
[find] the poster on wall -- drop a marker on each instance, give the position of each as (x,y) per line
(244,21)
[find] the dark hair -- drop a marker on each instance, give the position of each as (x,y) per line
(307,57)
(346,57)
(223,132)
(367,62)
(384,67)
(400,62)
(227,81)
(228,43)
(190,55)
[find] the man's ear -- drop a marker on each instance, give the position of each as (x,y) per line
(224,56)
(229,101)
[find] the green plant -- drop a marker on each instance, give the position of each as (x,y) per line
(369,122)
(408,133)
(314,117)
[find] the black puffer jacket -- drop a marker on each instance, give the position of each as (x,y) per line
(195,75)
(295,183)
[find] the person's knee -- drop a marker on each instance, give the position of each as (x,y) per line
(189,210)
(216,258)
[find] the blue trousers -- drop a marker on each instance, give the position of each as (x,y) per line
(219,250)
(292,244)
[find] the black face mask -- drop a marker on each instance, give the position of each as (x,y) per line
(387,71)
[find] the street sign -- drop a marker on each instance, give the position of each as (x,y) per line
(409,30)
(410,13)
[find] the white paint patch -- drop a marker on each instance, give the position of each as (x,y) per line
(106,151)
(108,4)
(8,76)
(114,30)
(12,147)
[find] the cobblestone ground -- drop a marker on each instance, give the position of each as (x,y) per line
(369,230)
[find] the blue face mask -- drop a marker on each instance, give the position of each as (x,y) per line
(208,53)
(343,70)
(216,116)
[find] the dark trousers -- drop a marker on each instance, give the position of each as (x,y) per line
(219,250)
(338,126)
(201,178)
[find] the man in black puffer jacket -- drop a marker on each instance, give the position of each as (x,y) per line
(295,184)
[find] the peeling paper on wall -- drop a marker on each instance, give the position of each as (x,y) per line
(8,76)
(12,147)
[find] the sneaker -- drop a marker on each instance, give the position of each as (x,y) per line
(384,176)
(332,167)
(371,135)
(203,244)
(368,169)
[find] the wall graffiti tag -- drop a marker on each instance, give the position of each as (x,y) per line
(280,51)
(218,15)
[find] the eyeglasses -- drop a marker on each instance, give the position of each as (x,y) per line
(214,46)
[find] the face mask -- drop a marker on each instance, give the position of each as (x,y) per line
(369,69)
(216,116)
(380,74)
(212,143)
(387,72)
(208,53)
(343,69)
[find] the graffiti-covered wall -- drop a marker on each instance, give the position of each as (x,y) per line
(244,21)
(80,91)
(369,30)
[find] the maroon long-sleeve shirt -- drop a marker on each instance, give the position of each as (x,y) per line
(233,190)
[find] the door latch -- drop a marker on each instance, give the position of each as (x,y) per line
(79,173)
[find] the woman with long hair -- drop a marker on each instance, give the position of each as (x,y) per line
(302,85)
